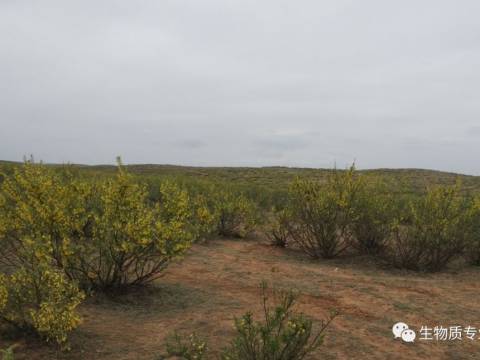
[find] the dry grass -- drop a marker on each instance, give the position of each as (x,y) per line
(218,281)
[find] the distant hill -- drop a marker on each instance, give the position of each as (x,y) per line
(274,176)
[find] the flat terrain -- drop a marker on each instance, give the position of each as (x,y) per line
(219,280)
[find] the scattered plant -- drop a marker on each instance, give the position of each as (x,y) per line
(192,348)
(283,334)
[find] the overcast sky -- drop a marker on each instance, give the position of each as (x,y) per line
(246,82)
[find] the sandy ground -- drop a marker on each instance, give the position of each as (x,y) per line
(219,280)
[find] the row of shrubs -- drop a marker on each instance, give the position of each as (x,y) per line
(63,237)
(353,212)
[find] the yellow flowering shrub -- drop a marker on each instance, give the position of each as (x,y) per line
(435,230)
(132,241)
(102,234)
(43,301)
(236,215)
(44,215)
(322,214)
(203,218)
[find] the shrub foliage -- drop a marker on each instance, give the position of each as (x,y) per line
(434,231)
(322,214)
(283,334)
(236,215)
(59,232)
(374,213)
(41,301)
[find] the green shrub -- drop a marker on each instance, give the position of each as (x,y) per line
(373,218)
(203,218)
(103,234)
(472,251)
(278,231)
(193,348)
(7,354)
(132,241)
(44,213)
(322,214)
(436,230)
(283,334)
(41,301)
(236,215)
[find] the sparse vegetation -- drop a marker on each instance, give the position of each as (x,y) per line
(65,235)
(282,335)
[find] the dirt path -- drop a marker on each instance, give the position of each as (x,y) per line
(218,281)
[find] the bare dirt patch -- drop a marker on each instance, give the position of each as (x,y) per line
(217,281)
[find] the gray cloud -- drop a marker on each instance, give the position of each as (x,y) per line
(192,144)
(242,83)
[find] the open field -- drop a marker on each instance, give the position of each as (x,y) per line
(219,280)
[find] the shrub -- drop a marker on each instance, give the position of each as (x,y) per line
(44,214)
(279,228)
(133,241)
(203,218)
(7,354)
(235,214)
(323,214)
(472,252)
(103,235)
(193,348)
(42,302)
(373,218)
(282,335)
(436,231)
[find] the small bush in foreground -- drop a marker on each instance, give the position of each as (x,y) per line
(283,334)
(191,348)
(437,230)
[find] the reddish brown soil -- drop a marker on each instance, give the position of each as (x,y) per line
(218,281)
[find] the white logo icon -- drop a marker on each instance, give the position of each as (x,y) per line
(401,330)
(398,328)
(408,335)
